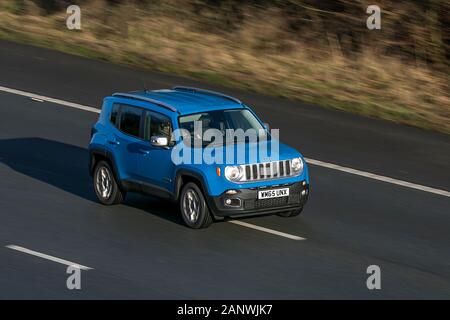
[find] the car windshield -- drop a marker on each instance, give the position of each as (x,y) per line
(221,120)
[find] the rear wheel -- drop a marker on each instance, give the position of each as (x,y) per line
(193,207)
(105,185)
(291,213)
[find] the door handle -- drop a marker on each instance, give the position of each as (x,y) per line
(113,142)
(144,151)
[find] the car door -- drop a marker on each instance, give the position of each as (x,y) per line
(124,142)
(155,163)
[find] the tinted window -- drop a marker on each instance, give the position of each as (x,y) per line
(222,120)
(114,114)
(130,119)
(157,125)
(242,119)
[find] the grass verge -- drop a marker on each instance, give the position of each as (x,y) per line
(259,56)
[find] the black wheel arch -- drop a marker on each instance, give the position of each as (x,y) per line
(96,155)
(184,176)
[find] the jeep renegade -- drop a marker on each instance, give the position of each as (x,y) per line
(131,151)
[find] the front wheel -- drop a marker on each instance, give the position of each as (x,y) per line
(105,185)
(193,207)
(291,213)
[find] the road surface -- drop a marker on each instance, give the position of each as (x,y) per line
(141,249)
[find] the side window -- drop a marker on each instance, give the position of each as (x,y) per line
(157,125)
(114,114)
(130,119)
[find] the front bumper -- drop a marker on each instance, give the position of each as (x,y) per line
(246,203)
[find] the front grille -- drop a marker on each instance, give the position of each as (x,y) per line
(269,170)
(271,203)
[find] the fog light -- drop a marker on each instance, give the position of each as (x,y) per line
(233,202)
(303,192)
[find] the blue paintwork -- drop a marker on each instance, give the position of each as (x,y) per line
(137,159)
(190,102)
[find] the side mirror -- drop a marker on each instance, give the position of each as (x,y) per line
(266,125)
(159,141)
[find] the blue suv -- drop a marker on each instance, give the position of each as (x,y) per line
(133,142)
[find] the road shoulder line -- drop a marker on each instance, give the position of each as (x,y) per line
(39,98)
(274,232)
(47,257)
(378,177)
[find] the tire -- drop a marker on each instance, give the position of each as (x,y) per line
(105,185)
(291,213)
(193,207)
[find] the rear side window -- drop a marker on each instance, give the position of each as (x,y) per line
(130,119)
(157,124)
(114,114)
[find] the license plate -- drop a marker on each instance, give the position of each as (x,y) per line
(273,193)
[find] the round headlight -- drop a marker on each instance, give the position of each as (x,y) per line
(297,165)
(234,173)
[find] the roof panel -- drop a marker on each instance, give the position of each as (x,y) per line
(187,102)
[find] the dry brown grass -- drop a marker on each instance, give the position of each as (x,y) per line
(259,55)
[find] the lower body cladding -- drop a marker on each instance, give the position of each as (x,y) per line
(256,201)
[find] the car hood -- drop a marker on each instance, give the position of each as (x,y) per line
(247,153)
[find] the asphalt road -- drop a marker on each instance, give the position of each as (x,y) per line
(141,249)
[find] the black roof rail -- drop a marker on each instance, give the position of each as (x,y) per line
(214,93)
(141,98)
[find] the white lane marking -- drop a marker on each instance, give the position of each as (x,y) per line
(40,98)
(378,177)
(45,256)
(278,233)
(308,160)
